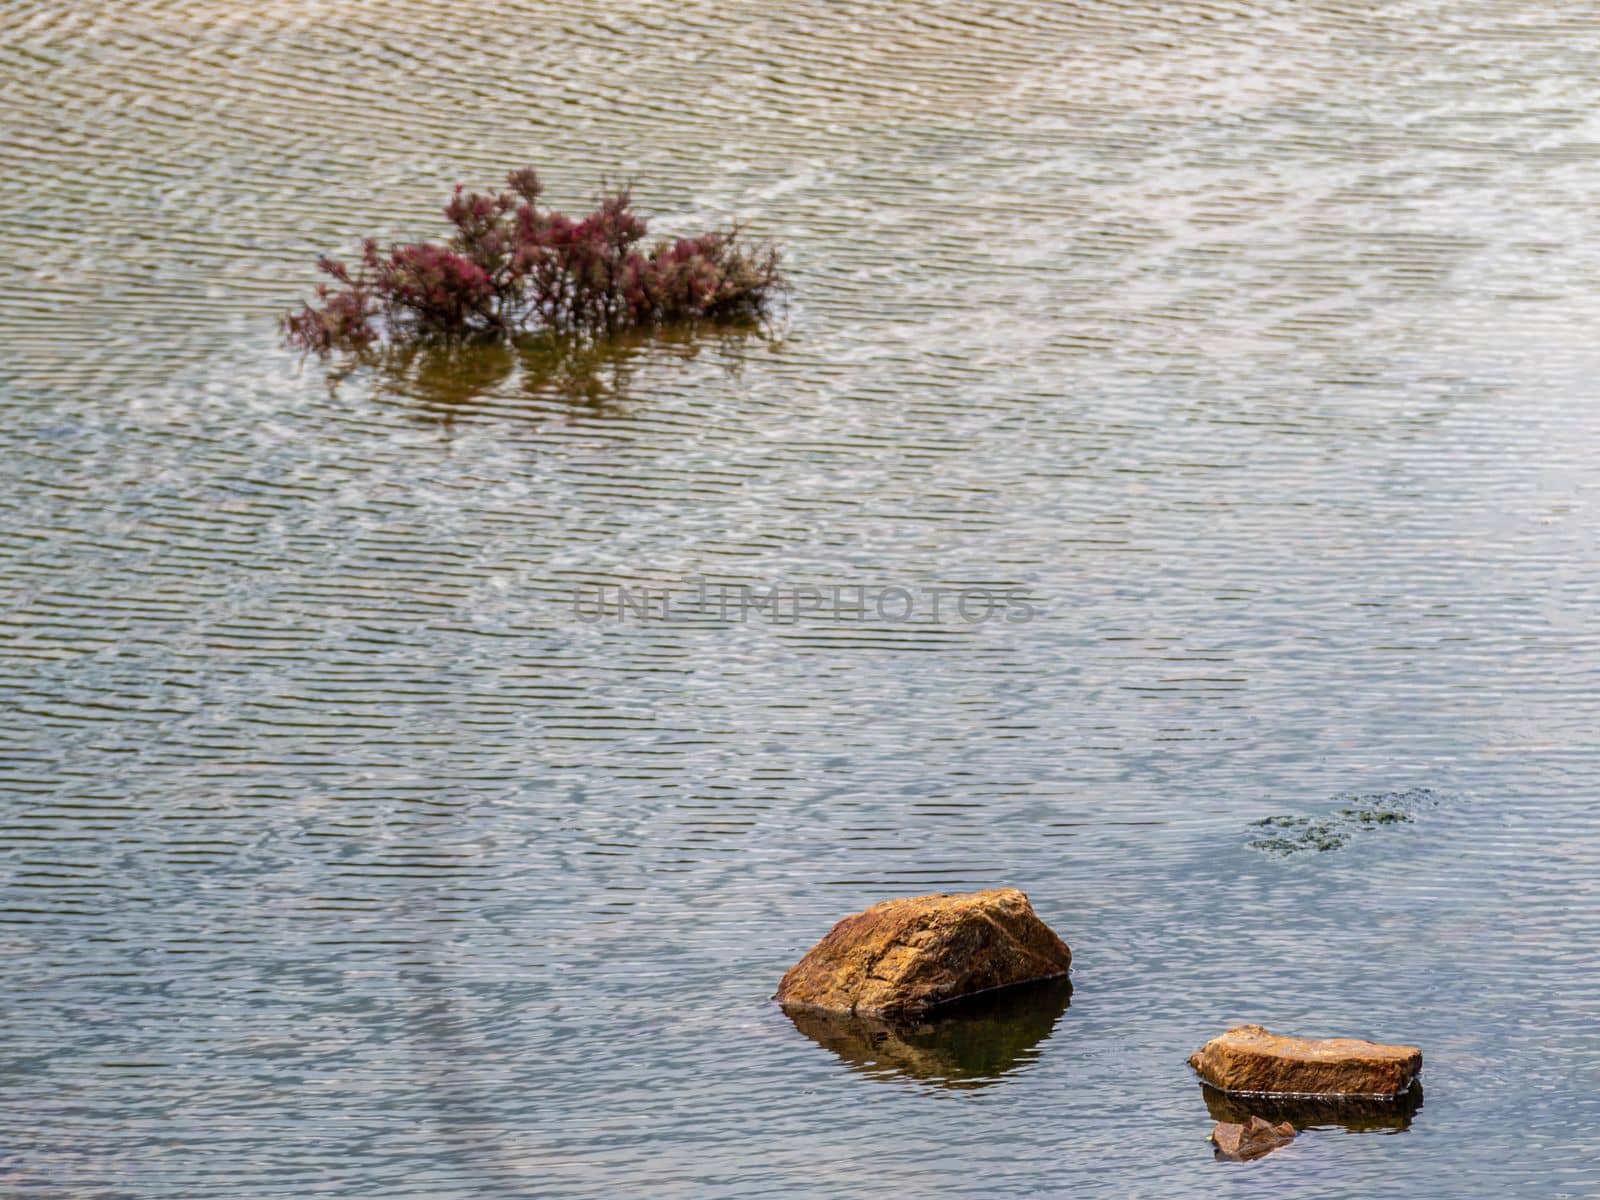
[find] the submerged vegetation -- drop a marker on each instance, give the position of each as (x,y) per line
(510,267)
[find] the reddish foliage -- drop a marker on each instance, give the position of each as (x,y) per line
(511,266)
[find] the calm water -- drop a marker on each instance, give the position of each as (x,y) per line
(1258,343)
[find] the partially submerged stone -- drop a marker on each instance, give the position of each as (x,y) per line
(904,957)
(1251,1060)
(1251,1139)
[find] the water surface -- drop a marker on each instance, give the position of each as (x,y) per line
(1258,343)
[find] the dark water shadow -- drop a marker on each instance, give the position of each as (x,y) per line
(540,373)
(1354,1114)
(968,1043)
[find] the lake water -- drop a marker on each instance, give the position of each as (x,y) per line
(1256,346)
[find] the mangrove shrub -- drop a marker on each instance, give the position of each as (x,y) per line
(510,266)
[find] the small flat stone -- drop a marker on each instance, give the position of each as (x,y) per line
(1249,1059)
(1251,1139)
(903,957)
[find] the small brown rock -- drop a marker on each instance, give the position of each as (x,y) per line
(903,957)
(1249,1059)
(1252,1139)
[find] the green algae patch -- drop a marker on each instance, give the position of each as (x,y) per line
(1301,833)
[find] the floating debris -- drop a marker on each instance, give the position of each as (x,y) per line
(1296,834)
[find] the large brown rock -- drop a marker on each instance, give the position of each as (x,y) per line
(903,957)
(1251,1138)
(1249,1059)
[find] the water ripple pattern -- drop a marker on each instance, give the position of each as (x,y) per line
(1256,344)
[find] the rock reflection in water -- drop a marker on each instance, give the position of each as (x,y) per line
(1355,1114)
(965,1044)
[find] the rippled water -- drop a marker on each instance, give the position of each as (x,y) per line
(1258,344)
